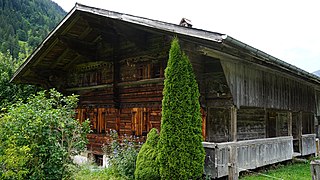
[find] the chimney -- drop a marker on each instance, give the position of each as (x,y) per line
(185,22)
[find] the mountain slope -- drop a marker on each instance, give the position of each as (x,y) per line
(25,23)
(317,73)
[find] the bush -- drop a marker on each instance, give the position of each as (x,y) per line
(147,167)
(39,137)
(181,154)
(93,172)
(122,154)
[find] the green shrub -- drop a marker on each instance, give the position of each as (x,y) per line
(147,167)
(181,154)
(39,137)
(93,172)
(122,154)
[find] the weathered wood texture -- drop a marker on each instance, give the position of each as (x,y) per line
(315,169)
(307,123)
(251,124)
(250,154)
(215,91)
(318,103)
(277,123)
(129,121)
(308,144)
(126,121)
(218,125)
(261,152)
(258,87)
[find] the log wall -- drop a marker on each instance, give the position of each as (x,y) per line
(251,124)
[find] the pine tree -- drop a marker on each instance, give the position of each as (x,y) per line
(147,167)
(181,154)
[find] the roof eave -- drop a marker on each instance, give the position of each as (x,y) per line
(271,59)
(40,46)
(163,26)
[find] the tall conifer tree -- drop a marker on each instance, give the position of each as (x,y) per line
(181,154)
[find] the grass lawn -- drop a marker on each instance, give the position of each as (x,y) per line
(292,171)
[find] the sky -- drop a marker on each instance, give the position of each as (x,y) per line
(286,29)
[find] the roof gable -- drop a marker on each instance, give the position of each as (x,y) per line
(86,31)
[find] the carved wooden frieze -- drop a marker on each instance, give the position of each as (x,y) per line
(139,68)
(90,74)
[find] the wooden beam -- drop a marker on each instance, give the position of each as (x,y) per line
(233,172)
(142,82)
(138,37)
(266,122)
(71,63)
(70,25)
(45,52)
(299,130)
(289,115)
(90,87)
(233,123)
(116,72)
(60,58)
(81,47)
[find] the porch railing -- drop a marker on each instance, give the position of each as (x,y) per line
(250,154)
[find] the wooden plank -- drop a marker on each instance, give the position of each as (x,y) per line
(289,114)
(308,144)
(246,81)
(90,87)
(315,169)
(299,130)
(249,154)
(233,123)
(233,172)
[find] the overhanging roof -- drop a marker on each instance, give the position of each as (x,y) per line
(47,59)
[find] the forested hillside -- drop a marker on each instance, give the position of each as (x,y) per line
(25,23)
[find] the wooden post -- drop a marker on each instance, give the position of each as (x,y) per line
(233,128)
(233,154)
(299,129)
(315,169)
(233,172)
(266,122)
(289,123)
(116,73)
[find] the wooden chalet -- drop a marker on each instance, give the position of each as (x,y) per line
(257,110)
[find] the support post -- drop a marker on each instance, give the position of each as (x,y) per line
(233,115)
(233,172)
(289,123)
(315,169)
(266,122)
(233,153)
(299,125)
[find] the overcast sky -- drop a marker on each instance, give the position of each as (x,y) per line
(286,29)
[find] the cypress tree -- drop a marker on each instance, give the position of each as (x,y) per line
(181,154)
(147,167)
